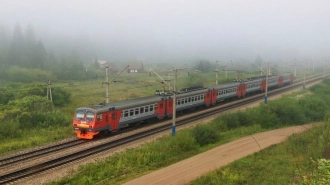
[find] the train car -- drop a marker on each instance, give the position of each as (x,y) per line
(227,91)
(103,118)
(92,120)
(191,99)
(287,78)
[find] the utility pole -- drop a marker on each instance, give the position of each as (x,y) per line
(174,100)
(216,74)
(169,85)
(224,68)
(304,76)
(295,68)
(49,91)
(107,84)
(260,67)
(266,88)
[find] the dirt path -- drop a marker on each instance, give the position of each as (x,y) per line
(194,167)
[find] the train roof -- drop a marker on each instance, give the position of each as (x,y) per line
(192,92)
(225,86)
(124,103)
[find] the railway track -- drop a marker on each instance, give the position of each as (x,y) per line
(82,154)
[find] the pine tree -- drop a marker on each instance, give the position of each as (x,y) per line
(4,46)
(17,46)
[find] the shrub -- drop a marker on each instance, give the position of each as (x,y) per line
(266,118)
(61,96)
(219,125)
(24,120)
(243,118)
(183,141)
(205,134)
(231,120)
(314,108)
(288,111)
(6,95)
(9,129)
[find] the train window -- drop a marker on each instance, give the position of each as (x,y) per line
(146,109)
(178,102)
(151,108)
(79,114)
(141,110)
(114,116)
(189,99)
(131,112)
(126,113)
(89,116)
(182,101)
(99,117)
(136,111)
(155,106)
(186,100)
(121,114)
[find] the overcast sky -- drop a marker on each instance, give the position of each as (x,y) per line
(183,30)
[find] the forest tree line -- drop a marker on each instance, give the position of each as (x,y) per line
(24,58)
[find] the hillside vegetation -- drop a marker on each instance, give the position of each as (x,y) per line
(271,166)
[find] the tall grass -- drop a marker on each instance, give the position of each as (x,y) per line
(168,150)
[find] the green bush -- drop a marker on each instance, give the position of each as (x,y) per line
(61,97)
(327,117)
(314,107)
(243,118)
(51,118)
(183,142)
(266,118)
(288,111)
(31,103)
(9,129)
(6,95)
(219,125)
(231,120)
(25,119)
(326,81)
(205,134)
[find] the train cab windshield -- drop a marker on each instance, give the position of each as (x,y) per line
(80,114)
(84,115)
(89,116)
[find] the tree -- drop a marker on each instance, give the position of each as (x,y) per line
(195,79)
(258,60)
(203,66)
(29,47)
(39,56)
(17,46)
(4,60)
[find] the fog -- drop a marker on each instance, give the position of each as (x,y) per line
(177,30)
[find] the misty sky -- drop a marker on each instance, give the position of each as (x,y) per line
(182,30)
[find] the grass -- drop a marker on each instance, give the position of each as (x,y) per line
(92,92)
(277,164)
(268,167)
(149,157)
(34,137)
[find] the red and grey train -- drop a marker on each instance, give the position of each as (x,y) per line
(103,118)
